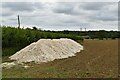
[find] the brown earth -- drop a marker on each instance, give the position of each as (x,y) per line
(99,59)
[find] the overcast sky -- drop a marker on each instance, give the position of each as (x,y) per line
(62,15)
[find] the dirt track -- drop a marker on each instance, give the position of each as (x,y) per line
(99,59)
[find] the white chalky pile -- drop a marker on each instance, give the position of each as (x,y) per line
(45,50)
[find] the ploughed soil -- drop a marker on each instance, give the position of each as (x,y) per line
(99,59)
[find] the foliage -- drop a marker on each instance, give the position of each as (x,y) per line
(101,34)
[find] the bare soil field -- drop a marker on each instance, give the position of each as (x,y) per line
(99,59)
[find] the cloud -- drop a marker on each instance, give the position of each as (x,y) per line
(94,5)
(22,6)
(66,8)
(108,13)
(66,15)
(104,17)
(6,12)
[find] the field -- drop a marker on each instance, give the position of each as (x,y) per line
(99,59)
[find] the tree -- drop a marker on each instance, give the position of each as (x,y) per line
(34,28)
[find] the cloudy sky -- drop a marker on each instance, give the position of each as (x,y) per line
(62,15)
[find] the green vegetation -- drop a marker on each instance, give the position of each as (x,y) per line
(14,39)
(101,34)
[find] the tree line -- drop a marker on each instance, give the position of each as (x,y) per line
(101,34)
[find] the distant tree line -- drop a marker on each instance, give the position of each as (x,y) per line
(101,34)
